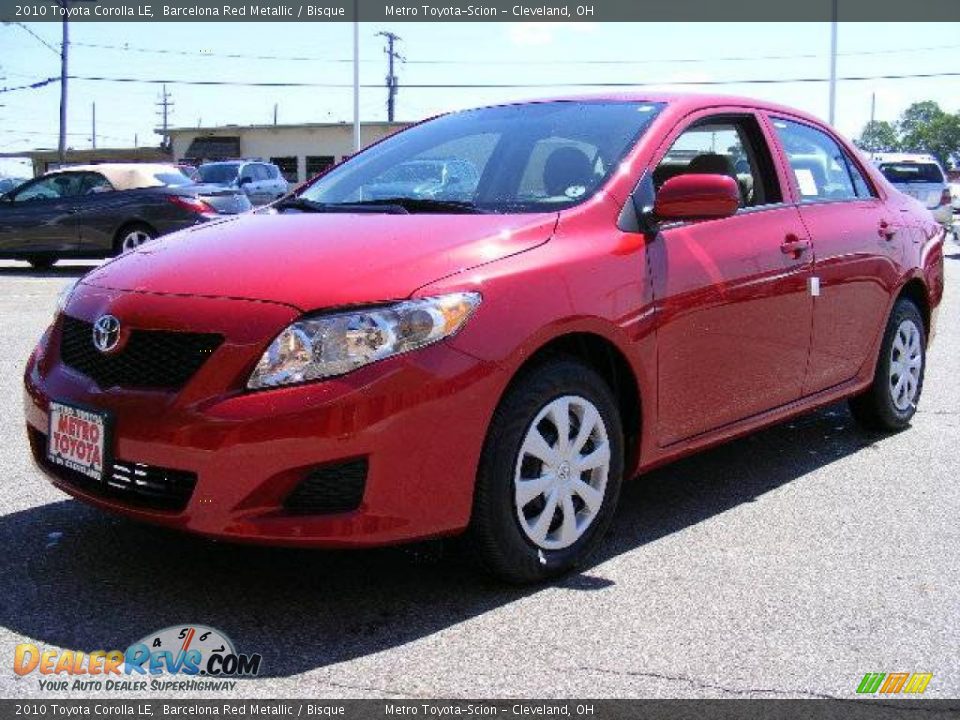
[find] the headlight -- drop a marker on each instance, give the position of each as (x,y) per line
(64,297)
(329,345)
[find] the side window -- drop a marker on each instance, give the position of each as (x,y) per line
(860,184)
(725,145)
(94,183)
(53,187)
(820,167)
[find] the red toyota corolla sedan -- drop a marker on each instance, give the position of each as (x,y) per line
(484,323)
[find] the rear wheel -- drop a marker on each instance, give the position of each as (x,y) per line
(130,237)
(891,400)
(550,474)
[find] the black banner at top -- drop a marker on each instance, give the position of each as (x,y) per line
(478,10)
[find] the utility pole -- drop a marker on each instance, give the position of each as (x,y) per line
(873,108)
(64,56)
(833,62)
(392,55)
(275,113)
(356,76)
(164,104)
(93,135)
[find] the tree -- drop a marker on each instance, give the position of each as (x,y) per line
(915,126)
(942,139)
(878,136)
(924,127)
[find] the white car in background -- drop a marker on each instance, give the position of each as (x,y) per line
(262,182)
(920,177)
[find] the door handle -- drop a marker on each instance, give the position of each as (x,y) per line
(794,246)
(886,230)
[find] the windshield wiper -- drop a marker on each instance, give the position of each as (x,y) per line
(424,205)
(305,205)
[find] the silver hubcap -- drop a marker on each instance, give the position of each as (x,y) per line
(133,240)
(906,362)
(562,472)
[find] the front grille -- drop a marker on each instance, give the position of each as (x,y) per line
(329,489)
(136,484)
(159,359)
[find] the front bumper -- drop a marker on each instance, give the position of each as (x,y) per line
(417,421)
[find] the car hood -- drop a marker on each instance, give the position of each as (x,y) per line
(314,261)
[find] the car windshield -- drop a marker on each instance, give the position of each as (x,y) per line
(414,172)
(219,173)
(173,178)
(912,172)
(534,157)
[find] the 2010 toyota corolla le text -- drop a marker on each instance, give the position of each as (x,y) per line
(484,323)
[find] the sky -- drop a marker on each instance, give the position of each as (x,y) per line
(528,53)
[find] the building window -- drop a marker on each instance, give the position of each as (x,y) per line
(288,166)
(316,164)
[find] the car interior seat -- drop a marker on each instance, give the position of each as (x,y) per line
(567,168)
(716,164)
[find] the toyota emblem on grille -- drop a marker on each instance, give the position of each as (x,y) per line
(106,333)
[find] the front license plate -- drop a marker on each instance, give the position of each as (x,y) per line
(78,439)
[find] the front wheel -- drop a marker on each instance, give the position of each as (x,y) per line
(549,475)
(891,400)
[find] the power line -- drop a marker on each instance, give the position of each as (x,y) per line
(446,61)
(23,26)
(31,86)
(448,86)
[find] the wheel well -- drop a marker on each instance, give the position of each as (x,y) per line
(916,292)
(605,359)
(118,235)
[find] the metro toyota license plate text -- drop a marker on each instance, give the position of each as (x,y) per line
(77,439)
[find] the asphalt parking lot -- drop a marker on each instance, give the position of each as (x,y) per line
(785,564)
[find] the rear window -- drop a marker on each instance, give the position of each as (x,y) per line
(173,179)
(912,172)
(218,173)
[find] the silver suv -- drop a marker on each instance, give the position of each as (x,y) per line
(920,177)
(261,181)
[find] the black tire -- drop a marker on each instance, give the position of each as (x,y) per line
(129,228)
(42,263)
(875,408)
(495,536)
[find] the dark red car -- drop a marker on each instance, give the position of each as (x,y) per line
(622,281)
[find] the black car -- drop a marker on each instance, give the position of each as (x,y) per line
(97,211)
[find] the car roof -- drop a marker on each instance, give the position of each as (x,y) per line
(126,176)
(678,101)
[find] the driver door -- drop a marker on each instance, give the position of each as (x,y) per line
(41,217)
(734,308)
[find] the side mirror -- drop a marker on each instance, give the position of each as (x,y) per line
(245,180)
(697,197)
